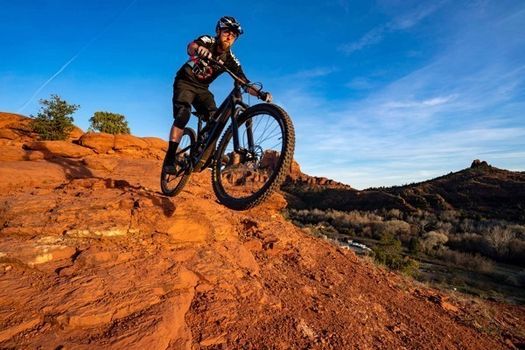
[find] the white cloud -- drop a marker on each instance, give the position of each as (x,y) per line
(372,37)
(413,18)
(463,104)
(403,22)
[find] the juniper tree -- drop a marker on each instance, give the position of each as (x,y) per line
(110,123)
(54,120)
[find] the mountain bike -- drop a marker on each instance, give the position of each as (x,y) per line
(253,155)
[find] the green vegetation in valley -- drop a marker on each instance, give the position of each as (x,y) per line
(483,257)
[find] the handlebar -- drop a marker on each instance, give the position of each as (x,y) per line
(260,94)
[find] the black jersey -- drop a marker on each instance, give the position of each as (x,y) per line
(202,73)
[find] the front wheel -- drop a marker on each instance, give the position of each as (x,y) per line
(172,184)
(244,177)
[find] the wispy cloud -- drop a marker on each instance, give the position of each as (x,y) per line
(460,106)
(372,37)
(403,22)
(312,73)
(360,83)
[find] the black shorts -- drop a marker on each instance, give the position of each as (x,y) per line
(186,94)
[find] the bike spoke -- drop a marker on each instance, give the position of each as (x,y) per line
(249,176)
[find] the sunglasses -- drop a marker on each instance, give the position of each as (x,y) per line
(229,32)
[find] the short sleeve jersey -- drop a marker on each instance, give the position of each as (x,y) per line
(198,71)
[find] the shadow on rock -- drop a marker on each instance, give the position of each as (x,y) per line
(73,169)
(159,200)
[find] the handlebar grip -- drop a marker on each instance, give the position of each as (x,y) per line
(263,95)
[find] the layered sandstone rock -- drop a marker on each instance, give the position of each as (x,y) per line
(98,142)
(58,149)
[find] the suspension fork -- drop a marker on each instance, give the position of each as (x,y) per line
(249,133)
(237,108)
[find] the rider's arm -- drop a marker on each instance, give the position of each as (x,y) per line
(265,96)
(200,46)
(235,66)
(192,48)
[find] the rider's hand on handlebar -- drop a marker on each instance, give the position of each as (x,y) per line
(265,96)
(203,52)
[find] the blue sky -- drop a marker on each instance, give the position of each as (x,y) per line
(381,92)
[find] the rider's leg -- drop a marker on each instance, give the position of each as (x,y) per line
(183,96)
(181,113)
(175,136)
(204,103)
(175,133)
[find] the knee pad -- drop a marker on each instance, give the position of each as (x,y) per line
(182,116)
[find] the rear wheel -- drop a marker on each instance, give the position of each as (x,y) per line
(172,184)
(245,177)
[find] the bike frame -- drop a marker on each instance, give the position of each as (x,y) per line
(230,108)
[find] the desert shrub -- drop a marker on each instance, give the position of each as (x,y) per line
(519,231)
(344,222)
(396,227)
(340,220)
(467,225)
(469,242)
(393,214)
(471,262)
(54,121)
(110,123)
(433,240)
(443,226)
(423,221)
(414,245)
(516,252)
(498,239)
(505,248)
(393,227)
(389,253)
(363,217)
(451,216)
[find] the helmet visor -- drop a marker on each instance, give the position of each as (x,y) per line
(234,28)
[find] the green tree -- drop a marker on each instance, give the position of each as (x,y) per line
(110,123)
(54,121)
(389,252)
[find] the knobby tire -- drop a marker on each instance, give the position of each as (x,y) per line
(280,171)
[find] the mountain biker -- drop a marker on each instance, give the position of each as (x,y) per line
(193,78)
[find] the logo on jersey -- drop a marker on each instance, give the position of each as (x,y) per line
(200,68)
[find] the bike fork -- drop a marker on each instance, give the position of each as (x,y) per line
(249,134)
(235,130)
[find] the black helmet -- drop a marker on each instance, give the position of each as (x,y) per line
(230,23)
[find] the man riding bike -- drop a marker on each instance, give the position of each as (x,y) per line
(191,85)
